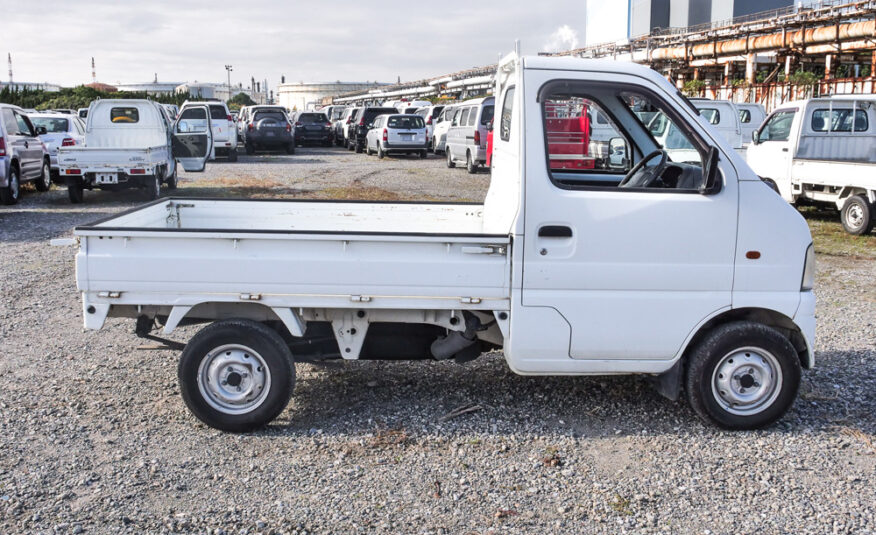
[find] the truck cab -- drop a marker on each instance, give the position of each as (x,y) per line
(650,266)
(822,151)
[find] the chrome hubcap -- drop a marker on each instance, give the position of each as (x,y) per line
(855,216)
(234,379)
(13,185)
(747,381)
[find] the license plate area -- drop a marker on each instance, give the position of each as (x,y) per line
(106,178)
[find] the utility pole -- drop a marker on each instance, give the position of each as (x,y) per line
(9,57)
(93,72)
(229,69)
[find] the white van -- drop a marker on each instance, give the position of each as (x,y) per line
(751,116)
(822,150)
(467,137)
(441,126)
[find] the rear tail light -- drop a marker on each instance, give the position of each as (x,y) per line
(68,142)
(328,125)
(477,137)
(384,135)
(229,118)
(2,146)
(429,120)
(137,172)
(289,127)
(362,121)
(298,124)
(72,171)
(249,127)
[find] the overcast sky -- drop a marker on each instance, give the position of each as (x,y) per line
(54,40)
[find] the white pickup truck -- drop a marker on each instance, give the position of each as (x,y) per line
(695,274)
(822,151)
(131,144)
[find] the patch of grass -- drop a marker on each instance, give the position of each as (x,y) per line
(830,238)
(620,505)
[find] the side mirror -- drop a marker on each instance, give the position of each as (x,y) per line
(40,130)
(711,174)
(755,138)
(490,126)
(618,153)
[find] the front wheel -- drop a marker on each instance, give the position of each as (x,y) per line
(171,181)
(236,375)
(470,164)
(290,148)
(450,163)
(857,215)
(44,182)
(232,155)
(153,187)
(249,148)
(742,375)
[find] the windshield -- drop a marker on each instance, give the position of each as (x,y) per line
(269,115)
(51,124)
(312,118)
(406,122)
(371,113)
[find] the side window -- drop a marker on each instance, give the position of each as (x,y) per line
(778,126)
(9,122)
(192,120)
(711,114)
(839,120)
(507,113)
(744,116)
(473,116)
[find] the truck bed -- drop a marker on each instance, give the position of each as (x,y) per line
(296,253)
(111,157)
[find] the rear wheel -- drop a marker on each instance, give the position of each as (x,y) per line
(349,145)
(290,148)
(470,164)
(742,375)
(171,180)
(250,149)
(44,182)
(232,156)
(153,187)
(380,153)
(236,375)
(358,147)
(423,154)
(450,163)
(75,189)
(10,193)
(857,215)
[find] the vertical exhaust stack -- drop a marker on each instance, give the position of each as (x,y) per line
(9,59)
(93,72)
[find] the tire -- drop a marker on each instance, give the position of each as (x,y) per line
(358,148)
(380,153)
(249,148)
(153,187)
(368,150)
(423,154)
(349,145)
(857,215)
(259,362)
(450,163)
(75,190)
(290,148)
(772,184)
(470,165)
(732,360)
(12,191)
(44,182)
(232,156)
(171,181)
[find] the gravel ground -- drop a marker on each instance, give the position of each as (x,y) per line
(94,437)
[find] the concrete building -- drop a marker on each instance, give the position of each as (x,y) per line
(153,88)
(218,91)
(304,95)
(18,86)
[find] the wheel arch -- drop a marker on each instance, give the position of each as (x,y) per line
(764,316)
(850,191)
(220,310)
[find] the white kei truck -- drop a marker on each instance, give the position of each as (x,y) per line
(822,151)
(130,144)
(695,274)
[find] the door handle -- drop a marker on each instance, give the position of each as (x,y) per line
(26,145)
(555,231)
(785,149)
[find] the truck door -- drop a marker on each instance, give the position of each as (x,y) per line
(620,263)
(771,150)
(193,138)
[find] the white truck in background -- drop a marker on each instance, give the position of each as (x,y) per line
(653,267)
(133,144)
(733,120)
(822,151)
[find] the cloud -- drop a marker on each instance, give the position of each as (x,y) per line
(564,38)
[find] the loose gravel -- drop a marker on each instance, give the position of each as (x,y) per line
(94,437)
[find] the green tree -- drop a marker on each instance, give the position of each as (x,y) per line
(240,100)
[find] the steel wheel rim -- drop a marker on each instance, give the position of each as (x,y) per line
(855,216)
(234,379)
(747,381)
(47,175)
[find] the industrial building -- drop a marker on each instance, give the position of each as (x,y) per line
(306,95)
(647,16)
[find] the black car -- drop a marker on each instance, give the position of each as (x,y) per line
(365,119)
(269,129)
(313,127)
